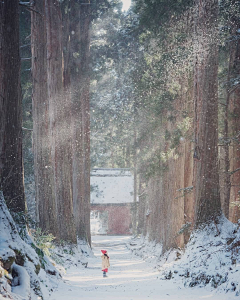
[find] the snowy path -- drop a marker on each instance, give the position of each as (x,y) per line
(130,278)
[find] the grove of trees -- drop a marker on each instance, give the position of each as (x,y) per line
(155,89)
(164,102)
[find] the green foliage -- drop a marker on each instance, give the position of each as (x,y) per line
(112,100)
(153,167)
(155,13)
(186,228)
(229,11)
(177,134)
(43,241)
(100,7)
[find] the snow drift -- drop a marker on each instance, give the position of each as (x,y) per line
(211,258)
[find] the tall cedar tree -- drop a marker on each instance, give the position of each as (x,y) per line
(230,150)
(207,197)
(79,89)
(58,122)
(46,206)
(11,166)
(234,112)
(234,106)
(61,117)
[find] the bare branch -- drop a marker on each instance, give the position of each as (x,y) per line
(29,8)
(223,104)
(231,173)
(26,58)
(23,46)
(233,90)
(28,37)
(28,129)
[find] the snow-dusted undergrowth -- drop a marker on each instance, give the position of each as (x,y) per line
(18,258)
(66,256)
(211,258)
(25,271)
(63,258)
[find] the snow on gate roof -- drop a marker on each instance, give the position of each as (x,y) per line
(111,186)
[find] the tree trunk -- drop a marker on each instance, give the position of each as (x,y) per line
(11,164)
(135,165)
(58,123)
(79,66)
(235,134)
(44,183)
(207,197)
(2,88)
(225,162)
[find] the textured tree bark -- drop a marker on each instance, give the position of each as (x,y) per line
(43,171)
(206,173)
(58,123)
(2,89)
(11,166)
(79,66)
(234,106)
(224,162)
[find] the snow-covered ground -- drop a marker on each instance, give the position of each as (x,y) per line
(129,278)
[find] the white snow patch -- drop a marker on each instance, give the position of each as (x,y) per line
(129,277)
(210,260)
(21,282)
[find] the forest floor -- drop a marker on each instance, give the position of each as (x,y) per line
(129,278)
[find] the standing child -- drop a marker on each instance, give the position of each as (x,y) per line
(105,262)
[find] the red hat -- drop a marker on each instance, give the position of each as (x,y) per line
(103,251)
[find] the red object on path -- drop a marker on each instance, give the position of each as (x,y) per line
(105,270)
